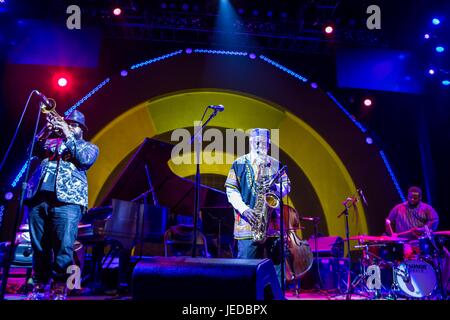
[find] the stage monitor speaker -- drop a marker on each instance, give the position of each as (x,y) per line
(181,278)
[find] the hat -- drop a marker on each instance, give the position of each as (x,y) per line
(78,117)
(260,132)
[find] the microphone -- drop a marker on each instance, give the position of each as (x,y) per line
(361,195)
(219,107)
(46,101)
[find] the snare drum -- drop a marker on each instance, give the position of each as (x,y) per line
(386,252)
(416,278)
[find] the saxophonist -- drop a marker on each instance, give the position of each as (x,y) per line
(248,188)
(56,198)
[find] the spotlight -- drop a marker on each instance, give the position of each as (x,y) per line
(367,102)
(188,50)
(440,49)
(124,73)
(436,21)
(314,85)
(117,11)
(62,82)
(369,140)
(431,71)
(329,29)
(252,56)
(426,36)
(445,82)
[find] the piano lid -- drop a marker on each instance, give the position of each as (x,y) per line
(171,190)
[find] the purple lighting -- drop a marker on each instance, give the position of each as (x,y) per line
(117,11)
(252,56)
(9,195)
(369,140)
(426,36)
(314,85)
(188,50)
(124,73)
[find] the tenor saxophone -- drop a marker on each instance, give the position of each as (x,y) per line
(266,202)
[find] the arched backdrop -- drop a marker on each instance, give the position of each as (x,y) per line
(322,144)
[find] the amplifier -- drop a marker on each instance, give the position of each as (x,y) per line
(327,247)
(333,273)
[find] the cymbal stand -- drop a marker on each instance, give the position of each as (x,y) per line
(367,255)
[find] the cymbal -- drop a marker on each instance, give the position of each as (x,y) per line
(442,233)
(377,238)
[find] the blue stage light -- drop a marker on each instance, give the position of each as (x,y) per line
(436,21)
(440,49)
(445,82)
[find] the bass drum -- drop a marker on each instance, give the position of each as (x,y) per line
(416,278)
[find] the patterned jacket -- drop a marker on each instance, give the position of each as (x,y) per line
(76,157)
(240,186)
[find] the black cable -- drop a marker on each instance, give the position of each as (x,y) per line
(16,132)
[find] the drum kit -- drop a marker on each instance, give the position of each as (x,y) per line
(410,269)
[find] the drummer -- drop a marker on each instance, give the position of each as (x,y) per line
(411,219)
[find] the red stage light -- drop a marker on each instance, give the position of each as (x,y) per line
(117,11)
(62,82)
(329,29)
(367,102)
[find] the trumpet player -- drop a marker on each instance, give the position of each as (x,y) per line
(247,175)
(56,197)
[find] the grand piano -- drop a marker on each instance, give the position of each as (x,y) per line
(148,187)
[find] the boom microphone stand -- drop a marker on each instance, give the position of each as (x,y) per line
(198,144)
(283,286)
(350,201)
(9,255)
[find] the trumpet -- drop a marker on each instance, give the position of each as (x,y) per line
(52,118)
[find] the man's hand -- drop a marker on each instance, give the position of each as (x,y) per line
(63,127)
(250,216)
(418,231)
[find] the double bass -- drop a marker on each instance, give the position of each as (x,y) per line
(299,257)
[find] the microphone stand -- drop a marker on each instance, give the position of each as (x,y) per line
(316,233)
(9,255)
(282,264)
(198,139)
(346,203)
